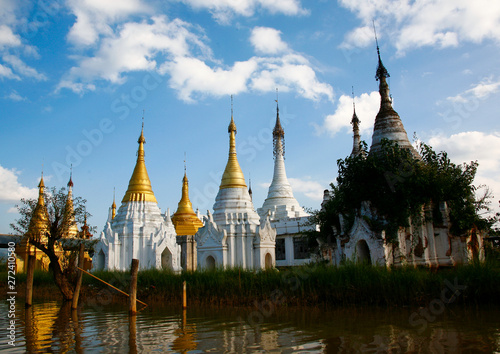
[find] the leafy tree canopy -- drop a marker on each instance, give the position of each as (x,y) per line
(398,185)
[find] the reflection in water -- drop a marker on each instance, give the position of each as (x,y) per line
(50,327)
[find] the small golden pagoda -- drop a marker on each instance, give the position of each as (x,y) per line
(139,187)
(185,220)
(38,229)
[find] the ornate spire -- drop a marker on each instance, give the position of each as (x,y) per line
(185,220)
(278,134)
(355,128)
(233,176)
(250,188)
(113,206)
(388,124)
(69,211)
(39,223)
(139,187)
(280,192)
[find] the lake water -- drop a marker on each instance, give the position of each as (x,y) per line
(48,327)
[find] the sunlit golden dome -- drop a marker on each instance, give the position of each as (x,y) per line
(185,220)
(233,176)
(139,187)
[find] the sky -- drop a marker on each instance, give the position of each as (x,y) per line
(77,76)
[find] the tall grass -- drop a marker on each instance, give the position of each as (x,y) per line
(348,285)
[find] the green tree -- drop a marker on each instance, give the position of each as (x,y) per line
(397,185)
(58,227)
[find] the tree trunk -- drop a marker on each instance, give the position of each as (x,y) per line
(61,280)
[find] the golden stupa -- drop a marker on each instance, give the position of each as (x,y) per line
(139,187)
(185,220)
(233,176)
(38,229)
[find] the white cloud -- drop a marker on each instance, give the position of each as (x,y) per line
(290,72)
(10,188)
(475,146)
(440,23)
(134,48)
(191,75)
(267,40)
(14,96)
(224,10)
(95,17)
(8,38)
(7,73)
(311,189)
(481,91)
(21,68)
(367,106)
(178,49)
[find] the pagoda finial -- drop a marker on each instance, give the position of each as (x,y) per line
(113,206)
(278,133)
(250,187)
(355,128)
(70,182)
(232,126)
(381,70)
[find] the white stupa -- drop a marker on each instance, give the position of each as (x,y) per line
(285,213)
(138,230)
(235,235)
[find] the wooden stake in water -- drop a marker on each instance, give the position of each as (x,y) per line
(76,294)
(29,279)
(134,268)
(184,295)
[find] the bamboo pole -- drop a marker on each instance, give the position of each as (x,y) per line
(108,284)
(76,294)
(29,279)
(134,268)
(184,295)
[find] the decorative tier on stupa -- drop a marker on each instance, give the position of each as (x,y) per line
(235,235)
(285,213)
(388,124)
(186,224)
(138,230)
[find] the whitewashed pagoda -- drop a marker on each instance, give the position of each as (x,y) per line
(138,230)
(234,235)
(284,211)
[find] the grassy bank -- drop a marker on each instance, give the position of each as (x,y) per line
(349,285)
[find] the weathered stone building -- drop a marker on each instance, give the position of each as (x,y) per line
(427,243)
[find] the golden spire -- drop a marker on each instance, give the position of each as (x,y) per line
(233,176)
(39,223)
(113,206)
(139,187)
(69,212)
(185,220)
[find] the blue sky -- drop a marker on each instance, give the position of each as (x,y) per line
(76,76)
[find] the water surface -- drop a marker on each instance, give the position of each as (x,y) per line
(51,327)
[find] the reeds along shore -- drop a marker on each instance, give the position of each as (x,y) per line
(348,285)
